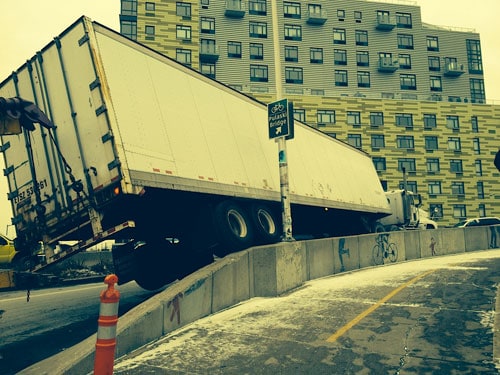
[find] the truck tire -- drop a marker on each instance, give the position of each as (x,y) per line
(154,265)
(378,228)
(265,223)
(233,227)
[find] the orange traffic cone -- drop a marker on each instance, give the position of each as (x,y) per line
(106,332)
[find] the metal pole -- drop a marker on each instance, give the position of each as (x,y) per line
(282,154)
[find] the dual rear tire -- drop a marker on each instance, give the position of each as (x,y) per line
(239,227)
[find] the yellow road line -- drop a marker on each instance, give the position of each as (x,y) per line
(372,308)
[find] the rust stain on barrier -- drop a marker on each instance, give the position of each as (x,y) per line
(372,308)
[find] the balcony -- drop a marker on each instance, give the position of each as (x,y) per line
(235,9)
(453,70)
(387,65)
(209,53)
(385,22)
(316,17)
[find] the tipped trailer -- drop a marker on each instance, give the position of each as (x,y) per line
(172,165)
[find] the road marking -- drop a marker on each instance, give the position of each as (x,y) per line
(372,308)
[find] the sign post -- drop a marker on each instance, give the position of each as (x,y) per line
(280,120)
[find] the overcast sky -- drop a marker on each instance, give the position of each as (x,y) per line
(28,25)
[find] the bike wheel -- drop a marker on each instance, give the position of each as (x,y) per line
(377,255)
(392,252)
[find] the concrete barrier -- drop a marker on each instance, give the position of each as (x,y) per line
(265,271)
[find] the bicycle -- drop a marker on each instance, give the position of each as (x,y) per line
(384,250)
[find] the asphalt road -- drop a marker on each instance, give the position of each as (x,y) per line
(53,320)
(432,316)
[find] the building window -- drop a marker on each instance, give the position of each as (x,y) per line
(452,123)
(477,90)
(376,119)
(435,82)
(482,210)
(404,61)
(291,10)
(456,166)
(459,211)
(353,118)
(258,73)
(257,7)
(339,36)
(205,4)
(293,32)
(474,124)
(474,56)
(183,56)
(257,29)
(341,14)
(208,69)
(129,29)
(408,164)
(431,143)
(354,140)
(404,119)
(457,188)
(184,10)
(408,82)
(362,58)
(361,37)
(480,190)
(479,167)
(256,51)
(358,16)
(432,165)
(150,32)
(405,41)
(340,57)
(318,92)
(234,49)
(436,211)
(476,146)
(378,141)
(363,79)
(410,185)
(341,78)
(325,116)
(405,141)
(294,75)
(432,43)
(128,8)
(292,53)
(429,121)
(316,55)
(454,144)
(434,187)
(379,164)
(434,63)
(207,25)
(299,115)
(403,20)
(183,32)
(150,8)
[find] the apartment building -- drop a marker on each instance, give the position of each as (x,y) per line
(370,73)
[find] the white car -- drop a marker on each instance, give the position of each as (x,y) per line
(478,222)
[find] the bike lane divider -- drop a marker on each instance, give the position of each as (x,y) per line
(375,306)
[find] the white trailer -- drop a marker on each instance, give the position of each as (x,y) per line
(149,150)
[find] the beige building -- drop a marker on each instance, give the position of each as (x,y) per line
(370,73)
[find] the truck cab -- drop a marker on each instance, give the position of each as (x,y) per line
(406,212)
(7,250)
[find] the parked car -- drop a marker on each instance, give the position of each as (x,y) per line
(7,250)
(478,222)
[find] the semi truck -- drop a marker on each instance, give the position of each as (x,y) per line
(172,165)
